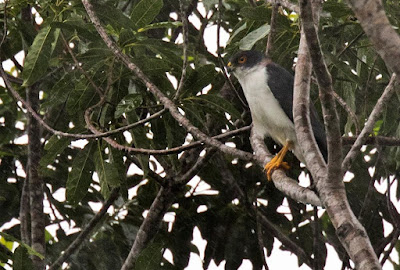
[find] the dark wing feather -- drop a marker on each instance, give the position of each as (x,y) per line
(279,79)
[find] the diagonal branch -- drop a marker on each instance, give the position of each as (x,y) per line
(181,119)
(283,183)
(74,246)
(382,34)
(150,225)
(369,125)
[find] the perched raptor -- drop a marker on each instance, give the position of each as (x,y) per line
(268,89)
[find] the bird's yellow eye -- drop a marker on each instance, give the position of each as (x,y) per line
(242,59)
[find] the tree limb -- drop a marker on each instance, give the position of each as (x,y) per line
(286,4)
(376,25)
(330,187)
(369,125)
(150,225)
(273,30)
(36,183)
(74,246)
(283,183)
(301,110)
(157,92)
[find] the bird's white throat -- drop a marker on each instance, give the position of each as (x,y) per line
(269,119)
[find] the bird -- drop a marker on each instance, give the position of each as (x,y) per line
(268,89)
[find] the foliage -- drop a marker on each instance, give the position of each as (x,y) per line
(149,33)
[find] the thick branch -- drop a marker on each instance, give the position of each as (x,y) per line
(369,125)
(382,34)
(150,225)
(285,184)
(331,188)
(324,80)
(36,183)
(301,112)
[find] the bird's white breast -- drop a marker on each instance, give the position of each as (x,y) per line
(269,119)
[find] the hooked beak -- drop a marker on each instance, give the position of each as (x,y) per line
(230,66)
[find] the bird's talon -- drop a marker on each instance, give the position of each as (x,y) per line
(273,165)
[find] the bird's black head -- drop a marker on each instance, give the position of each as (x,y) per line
(245,59)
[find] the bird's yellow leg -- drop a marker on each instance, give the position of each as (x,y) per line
(277,161)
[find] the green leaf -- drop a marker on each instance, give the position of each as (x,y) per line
(30,250)
(250,39)
(209,4)
(145,11)
(113,16)
(219,103)
(160,25)
(237,31)
(128,104)
(140,140)
(54,146)
(81,97)
(80,176)
(21,260)
(38,57)
(261,13)
(108,174)
(150,257)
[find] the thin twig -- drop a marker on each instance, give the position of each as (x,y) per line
(374,140)
(273,30)
(352,114)
(74,246)
(5,24)
(185,44)
(221,60)
(369,125)
(16,95)
(260,241)
(78,65)
(181,119)
(195,168)
(393,243)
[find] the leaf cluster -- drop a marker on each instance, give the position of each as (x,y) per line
(75,70)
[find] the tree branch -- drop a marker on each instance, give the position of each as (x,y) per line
(150,225)
(237,192)
(330,187)
(74,246)
(185,37)
(283,183)
(376,25)
(369,125)
(353,116)
(374,140)
(286,4)
(301,111)
(158,93)
(36,183)
(273,30)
